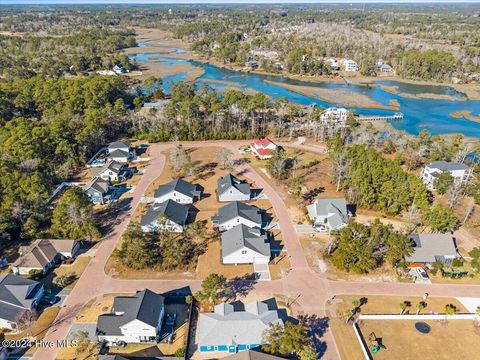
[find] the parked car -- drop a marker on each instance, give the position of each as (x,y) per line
(319,228)
(422,273)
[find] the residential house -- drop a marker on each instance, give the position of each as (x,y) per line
(429,248)
(328,214)
(133,319)
(252,355)
(175,217)
(263,148)
(237,213)
(350,65)
(332,62)
(98,191)
(459,171)
(244,245)
(18,297)
(334,116)
(112,171)
(121,151)
(230,188)
(178,190)
(120,69)
(42,254)
(234,328)
(384,67)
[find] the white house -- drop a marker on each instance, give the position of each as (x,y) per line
(133,319)
(350,65)
(179,191)
(18,297)
(121,151)
(111,171)
(233,328)
(244,245)
(263,148)
(332,62)
(460,172)
(334,116)
(174,217)
(328,214)
(43,254)
(384,67)
(237,213)
(230,188)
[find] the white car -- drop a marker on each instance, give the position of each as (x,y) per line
(319,228)
(422,273)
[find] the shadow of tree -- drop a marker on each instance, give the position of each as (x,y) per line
(241,286)
(318,327)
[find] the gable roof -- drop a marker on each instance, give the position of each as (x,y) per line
(428,246)
(43,251)
(328,206)
(230,324)
(173,210)
(262,142)
(180,185)
(229,181)
(99,185)
(144,306)
(119,145)
(111,165)
(18,292)
(118,153)
(237,208)
(447,166)
(241,236)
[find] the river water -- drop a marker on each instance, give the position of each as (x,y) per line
(433,115)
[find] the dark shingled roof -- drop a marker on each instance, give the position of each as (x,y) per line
(98,184)
(174,211)
(180,185)
(237,208)
(228,181)
(16,293)
(145,306)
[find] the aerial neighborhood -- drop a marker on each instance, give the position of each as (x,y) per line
(239,182)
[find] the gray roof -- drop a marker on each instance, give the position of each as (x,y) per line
(428,246)
(16,293)
(328,206)
(43,252)
(174,211)
(230,325)
(228,181)
(145,306)
(242,236)
(111,165)
(119,145)
(117,153)
(180,185)
(447,166)
(99,185)
(252,355)
(237,208)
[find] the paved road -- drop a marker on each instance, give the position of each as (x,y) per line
(311,289)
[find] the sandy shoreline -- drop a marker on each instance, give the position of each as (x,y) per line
(465,114)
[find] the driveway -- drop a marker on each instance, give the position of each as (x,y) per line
(304,229)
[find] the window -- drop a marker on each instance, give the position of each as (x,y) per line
(244,252)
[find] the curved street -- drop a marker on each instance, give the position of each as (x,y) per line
(311,289)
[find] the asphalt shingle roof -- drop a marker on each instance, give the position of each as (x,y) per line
(145,306)
(447,166)
(174,211)
(43,252)
(98,184)
(111,165)
(428,246)
(17,291)
(228,325)
(242,236)
(228,181)
(180,185)
(237,208)
(252,355)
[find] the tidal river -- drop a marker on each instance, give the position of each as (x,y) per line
(434,115)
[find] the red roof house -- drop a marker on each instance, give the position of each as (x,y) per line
(263,148)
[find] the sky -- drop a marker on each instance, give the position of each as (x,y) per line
(39,2)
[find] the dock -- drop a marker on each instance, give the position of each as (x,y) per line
(395,117)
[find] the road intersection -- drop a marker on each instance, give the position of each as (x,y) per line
(311,290)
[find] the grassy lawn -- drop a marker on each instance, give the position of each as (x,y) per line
(454,339)
(94,308)
(77,267)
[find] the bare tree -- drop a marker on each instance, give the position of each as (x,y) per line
(224,157)
(340,164)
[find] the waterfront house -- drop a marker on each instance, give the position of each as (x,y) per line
(133,319)
(244,245)
(333,64)
(460,172)
(350,65)
(237,213)
(18,298)
(230,188)
(233,328)
(334,116)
